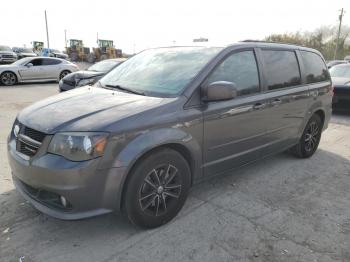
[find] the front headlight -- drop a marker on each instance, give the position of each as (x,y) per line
(85,82)
(78,146)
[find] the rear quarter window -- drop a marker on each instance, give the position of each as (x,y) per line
(281,69)
(314,67)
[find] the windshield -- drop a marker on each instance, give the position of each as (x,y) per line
(340,71)
(162,71)
(103,66)
(5,48)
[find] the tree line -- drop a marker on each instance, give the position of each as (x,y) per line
(322,39)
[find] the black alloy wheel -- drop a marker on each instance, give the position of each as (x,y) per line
(161,187)
(310,139)
(64,73)
(157,188)
(8,78)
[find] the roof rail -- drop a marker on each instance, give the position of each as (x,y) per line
(268,42)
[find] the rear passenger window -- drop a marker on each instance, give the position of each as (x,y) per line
(315,68)
(240,69)
(51,61)
(282,69)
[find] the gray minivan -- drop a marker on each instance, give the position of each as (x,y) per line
(164,120)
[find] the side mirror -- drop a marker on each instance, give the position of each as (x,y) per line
(29,65)
(218,91)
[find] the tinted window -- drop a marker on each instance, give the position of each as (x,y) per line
(240,69)
(315,69)
(51,62)
(282,69)
(37,62)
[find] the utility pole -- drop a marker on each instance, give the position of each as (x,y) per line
(339,30)
(65,38)
(47,31)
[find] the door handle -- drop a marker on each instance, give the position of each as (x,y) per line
(276,102)
(258,106)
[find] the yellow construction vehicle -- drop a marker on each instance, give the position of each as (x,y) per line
(76,50)
(105,50)
(37,47)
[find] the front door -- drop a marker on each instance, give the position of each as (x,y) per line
(33,72)
(234,130)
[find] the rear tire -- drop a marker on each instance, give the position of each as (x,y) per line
(310,139)
(64,73)
(8,78)
(157,188)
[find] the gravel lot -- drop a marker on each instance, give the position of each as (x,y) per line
(279,209)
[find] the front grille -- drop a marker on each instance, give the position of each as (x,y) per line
(34,134)
(28,140)
(8,56)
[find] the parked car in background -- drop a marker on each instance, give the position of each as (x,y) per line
(164,120)
(7,55)
(341,81)
(23,52)
(35,69)
(53,53)
(336,62)
(89,76)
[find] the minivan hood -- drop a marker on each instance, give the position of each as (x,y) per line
(85,109)
(339,81)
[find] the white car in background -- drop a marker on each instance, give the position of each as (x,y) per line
(35,69)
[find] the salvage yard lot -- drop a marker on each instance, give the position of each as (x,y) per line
(278,209)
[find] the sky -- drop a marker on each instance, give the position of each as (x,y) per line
(135,25)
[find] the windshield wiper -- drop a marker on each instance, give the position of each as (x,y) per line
(126,89)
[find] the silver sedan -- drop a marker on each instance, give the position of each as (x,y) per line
(38,69)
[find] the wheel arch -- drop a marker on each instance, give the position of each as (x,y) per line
(181,149)
(316,109)
(321,114)
(189,149)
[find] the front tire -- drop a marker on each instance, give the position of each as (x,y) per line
(310,139)
(8,78)
(157,188)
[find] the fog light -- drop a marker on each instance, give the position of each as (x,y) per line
(63,201)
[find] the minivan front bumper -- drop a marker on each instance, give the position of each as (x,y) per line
(87,189)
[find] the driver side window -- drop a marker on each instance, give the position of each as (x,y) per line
(37,62)
(240,69)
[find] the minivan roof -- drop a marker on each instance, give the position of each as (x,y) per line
(254,43)
(257,43)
